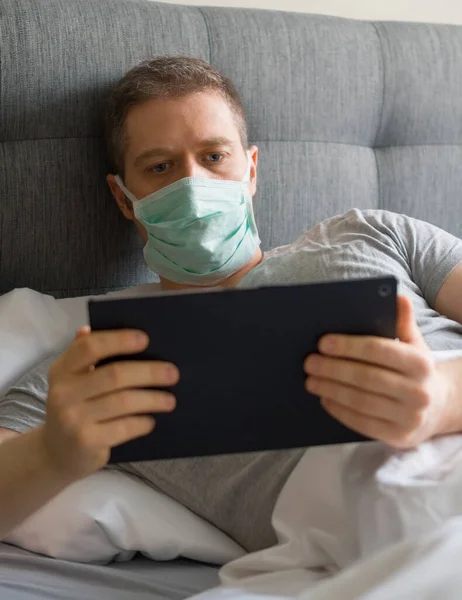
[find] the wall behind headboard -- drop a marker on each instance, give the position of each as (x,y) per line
(433,11)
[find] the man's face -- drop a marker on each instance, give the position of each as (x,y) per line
(169,139)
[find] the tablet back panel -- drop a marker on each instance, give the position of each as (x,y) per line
(240,354)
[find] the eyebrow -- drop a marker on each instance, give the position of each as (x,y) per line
(162,151)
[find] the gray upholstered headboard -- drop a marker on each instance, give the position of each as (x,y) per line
(346,114)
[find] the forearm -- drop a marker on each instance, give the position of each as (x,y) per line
(452,374)
(27,479)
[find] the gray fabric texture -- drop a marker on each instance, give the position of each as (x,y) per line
(374,243)
(28,576)
(347,114)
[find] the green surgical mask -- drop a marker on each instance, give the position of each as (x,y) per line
(200,231)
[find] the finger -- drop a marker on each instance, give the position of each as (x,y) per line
(82,331)
(118,431)
(377,429)
(87,350)
(122,375)
(128,402)
(406,327)
(366,403)
(365,377)
(397,356)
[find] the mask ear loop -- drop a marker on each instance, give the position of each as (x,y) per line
(127,193)
(249,166)
(250,199)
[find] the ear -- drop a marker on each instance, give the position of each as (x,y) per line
(253,150)
(123,202)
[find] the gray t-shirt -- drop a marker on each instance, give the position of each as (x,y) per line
(237,493)
(374,243)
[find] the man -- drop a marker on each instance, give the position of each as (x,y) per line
(177,138)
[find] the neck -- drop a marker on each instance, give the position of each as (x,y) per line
(230,282)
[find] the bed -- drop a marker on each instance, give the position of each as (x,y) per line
(29,576)
(345,113)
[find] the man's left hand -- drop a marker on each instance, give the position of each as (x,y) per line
(385,389)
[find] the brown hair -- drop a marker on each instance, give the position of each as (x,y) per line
(164,77)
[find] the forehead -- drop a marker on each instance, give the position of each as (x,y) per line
(180,122)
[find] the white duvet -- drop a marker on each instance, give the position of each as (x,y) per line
(426,567)
(362,521)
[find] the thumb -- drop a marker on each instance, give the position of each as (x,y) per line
(407,328)
(82,331)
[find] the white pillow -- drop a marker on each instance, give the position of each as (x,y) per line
(32,326)
(112,515)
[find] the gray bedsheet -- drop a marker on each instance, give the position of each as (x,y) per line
(28,576)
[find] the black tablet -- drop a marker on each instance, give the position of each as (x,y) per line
(240,354)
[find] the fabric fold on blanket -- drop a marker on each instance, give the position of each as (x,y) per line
(347,502)
(426,566)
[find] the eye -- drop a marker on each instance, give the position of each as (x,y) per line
(159,168)
(215,157)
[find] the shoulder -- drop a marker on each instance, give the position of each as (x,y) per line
(135,291)
(375,218)
(347,227)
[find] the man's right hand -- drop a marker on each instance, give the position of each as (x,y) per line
(90,410)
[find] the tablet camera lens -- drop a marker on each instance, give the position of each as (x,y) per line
(384,290)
